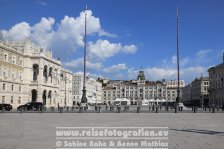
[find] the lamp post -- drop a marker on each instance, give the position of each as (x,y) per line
(84,98)
(178,66)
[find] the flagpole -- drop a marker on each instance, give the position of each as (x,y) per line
(178,65)
(84,98)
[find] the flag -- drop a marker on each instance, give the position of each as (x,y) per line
(50,71)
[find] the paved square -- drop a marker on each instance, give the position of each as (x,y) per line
(37,131)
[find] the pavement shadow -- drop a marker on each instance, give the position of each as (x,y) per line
(209,132)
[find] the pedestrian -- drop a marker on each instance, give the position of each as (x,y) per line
(58,106)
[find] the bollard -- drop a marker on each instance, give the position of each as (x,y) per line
(181,108)
(209,109)
(99,109)
(175,109)
(61,109)
(195,109)
(156,109)
(118,109)
(96,108)
(205,108)
(138,109)
(167,108)
(213,109)
(41,109)
(192,108)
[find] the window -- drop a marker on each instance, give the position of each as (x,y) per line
(13,60)
(19,101)
(11,99)
(3,87)
(3,99)
(5,57)
(12,87)
(19,88)
(21,62)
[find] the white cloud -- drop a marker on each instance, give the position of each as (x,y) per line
(115,68)
(42,32)
(20,31)
(67,36)
(104,33)
(42,3)
(129,49)
(203,53)
(78,64)
(159,73)
(183,61)
(103,49)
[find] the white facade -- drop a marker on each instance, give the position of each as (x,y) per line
(172,86)
(29,73)
(93,89)
(134,90)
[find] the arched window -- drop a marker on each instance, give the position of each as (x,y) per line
(45,73)
(50,94)
(35,71)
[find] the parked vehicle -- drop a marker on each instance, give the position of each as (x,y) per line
(6,106)
(31,106)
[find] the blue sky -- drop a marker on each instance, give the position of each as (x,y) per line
(123,35)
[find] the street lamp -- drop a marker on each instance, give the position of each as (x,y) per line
(178,66)
(84,98)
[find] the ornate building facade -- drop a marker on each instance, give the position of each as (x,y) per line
(30,73)
(216,90)
(135,90)
(172,89)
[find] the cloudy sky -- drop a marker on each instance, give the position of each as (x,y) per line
(123,36)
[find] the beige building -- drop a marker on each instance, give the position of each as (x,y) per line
(135,90)
(172,89)
(216,90)
(30,73)
(93,89)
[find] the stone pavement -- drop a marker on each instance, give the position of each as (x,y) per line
(37,131)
